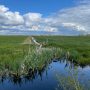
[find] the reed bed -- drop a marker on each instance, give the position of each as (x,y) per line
(20,59)
(70,81)
(77,46)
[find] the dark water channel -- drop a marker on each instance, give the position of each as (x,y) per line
(45,79)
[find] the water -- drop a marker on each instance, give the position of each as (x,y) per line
(45,79)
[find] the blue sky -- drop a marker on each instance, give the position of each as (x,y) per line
(63,17)
(41,6)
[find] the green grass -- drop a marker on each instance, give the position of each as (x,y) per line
(11,40)
(70,81)
(77,46)
(18,58)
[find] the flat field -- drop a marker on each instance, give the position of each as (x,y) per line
(78,46)
(16,56)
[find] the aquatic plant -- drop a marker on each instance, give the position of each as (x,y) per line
(70,81)
(21,58)
(16,58)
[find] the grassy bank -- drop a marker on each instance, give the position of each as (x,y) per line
(77,46)
(18,58)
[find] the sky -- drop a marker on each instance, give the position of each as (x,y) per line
(63,17)
(44,7)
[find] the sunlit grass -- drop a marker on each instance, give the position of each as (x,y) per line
(18,58)
(77,46)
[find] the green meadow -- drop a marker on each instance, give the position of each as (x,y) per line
(18,58)
(76,47)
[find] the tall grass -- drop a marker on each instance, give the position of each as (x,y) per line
(20,59)
(17,58)
(70,81)
(77,46)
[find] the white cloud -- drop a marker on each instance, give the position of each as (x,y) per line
(10,18)
(3,8)
(13,21)
(31,19)
(75,19)
(74,26)
(33,16)
(83,2)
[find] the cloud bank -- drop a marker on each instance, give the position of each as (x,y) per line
(71,21)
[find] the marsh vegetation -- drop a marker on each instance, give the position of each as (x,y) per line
(24,59)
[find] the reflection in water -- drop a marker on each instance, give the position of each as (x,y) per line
(17,79)
(41,79)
